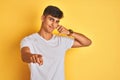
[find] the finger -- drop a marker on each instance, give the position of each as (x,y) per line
(41,61)
(39,55)
(57,27)
(34,59)
(31,59)
(60,29)
(38,60)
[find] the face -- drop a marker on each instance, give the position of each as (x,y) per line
(49,23)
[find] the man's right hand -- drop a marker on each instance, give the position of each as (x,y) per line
(36,58)
(31,58)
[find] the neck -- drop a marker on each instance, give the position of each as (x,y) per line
(45,35)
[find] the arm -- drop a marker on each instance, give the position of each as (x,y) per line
(28,57)
(80,39)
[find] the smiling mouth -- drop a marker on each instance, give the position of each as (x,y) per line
(51,27)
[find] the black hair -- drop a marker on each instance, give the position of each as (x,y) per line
(53,11)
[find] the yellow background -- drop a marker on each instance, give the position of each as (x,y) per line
(97,19)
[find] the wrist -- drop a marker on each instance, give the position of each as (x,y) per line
(70,32)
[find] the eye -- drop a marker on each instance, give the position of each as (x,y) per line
(57,21)
(51,19)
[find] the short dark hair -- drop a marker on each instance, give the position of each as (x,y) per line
(53,11)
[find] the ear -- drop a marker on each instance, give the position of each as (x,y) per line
(42,18)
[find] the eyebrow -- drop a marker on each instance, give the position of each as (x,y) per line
(54,19)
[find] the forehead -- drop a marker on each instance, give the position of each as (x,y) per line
(49,16)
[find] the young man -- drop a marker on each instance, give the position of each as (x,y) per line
(45,51)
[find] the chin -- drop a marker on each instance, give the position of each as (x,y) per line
(50,31)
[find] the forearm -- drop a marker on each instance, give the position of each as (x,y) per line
(26,57)
(82,39)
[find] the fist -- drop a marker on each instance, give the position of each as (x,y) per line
(36,58)
(62,29)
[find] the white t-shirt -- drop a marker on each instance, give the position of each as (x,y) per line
(53,52)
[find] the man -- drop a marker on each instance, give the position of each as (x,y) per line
(45,51)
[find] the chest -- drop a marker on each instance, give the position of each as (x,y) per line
(51,50)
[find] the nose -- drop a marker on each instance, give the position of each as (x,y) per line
(54,24)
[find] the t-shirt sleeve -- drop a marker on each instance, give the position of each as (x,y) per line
(25,43)
(67,42)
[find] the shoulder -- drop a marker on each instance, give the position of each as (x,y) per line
(63,37)
(30,37)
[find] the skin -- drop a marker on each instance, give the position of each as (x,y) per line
(49,23)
